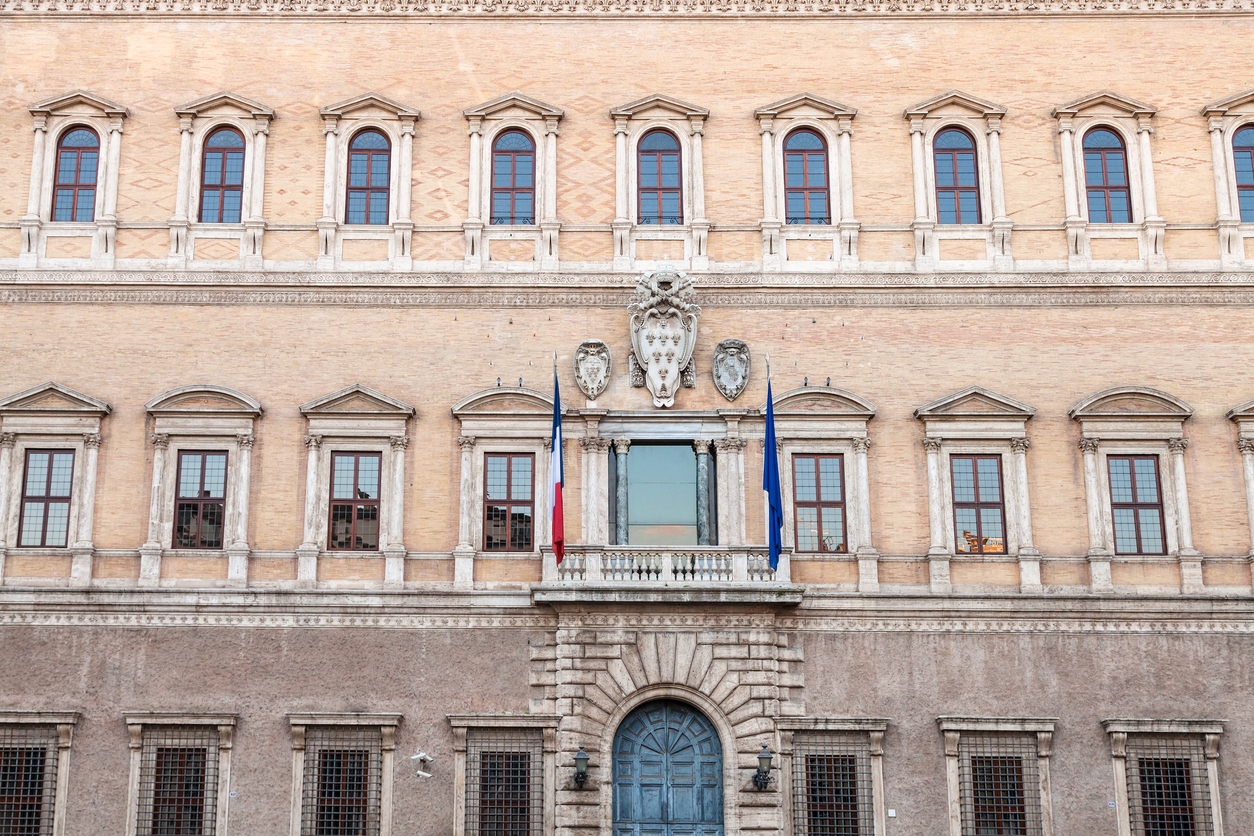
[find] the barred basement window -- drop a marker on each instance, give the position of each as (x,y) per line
(1168,788)
(28,769)
(1000,784)
(342,781)
(178,781)
(832,793)
(504,786)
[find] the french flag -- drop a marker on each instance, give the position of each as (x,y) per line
(555,477)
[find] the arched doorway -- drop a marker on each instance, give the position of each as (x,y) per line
(668,773)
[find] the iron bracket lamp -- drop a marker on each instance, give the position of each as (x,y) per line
(762,778)
(581,768)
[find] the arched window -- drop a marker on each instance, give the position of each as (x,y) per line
(368,159)
(805,179)
(78,159)
(222,177)
(513,179)
(661,195)
(1106,178)
(1243,160)
(957,183)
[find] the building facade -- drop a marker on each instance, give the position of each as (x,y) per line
(284,285)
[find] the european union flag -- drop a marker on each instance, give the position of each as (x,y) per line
(770,484)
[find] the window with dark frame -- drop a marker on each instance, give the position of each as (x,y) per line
(222,177)
(200,500)
(1106,178)
(369,157)
(832,793)
(46,487)
(997,801)
(1136,505)
(178,781)
(1168,786)
(806,196)
(504,786)
(979,505)
(513,179)
(78,163)
(957,178)
(999,781)
(659,188)
(28,767)
(354,501)
(508,502)
(1243,163)
(342,782)
(819,503)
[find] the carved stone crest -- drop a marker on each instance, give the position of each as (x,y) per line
(731,368)
(592,367)
(663,334)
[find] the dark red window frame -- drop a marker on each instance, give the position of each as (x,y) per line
(997,796)
(1137,506)
(1105,188)
(954,157)
(504,509)
(46,499)
(80,186)
(23,771)
(819,503)
(358,509)
(657,189)
(226,158)
(832,795)
(807,159)
(199,506)
(368,190)
(343,792)
(1243,164)
(512,191)
(976,544)
(178,792)
(504,794)
(1167,796)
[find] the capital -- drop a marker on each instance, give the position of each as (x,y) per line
(245,441)
(91,439)
(594,442)
(862,444)
(8,439)
(1088,444)
(729,444)
(159,440)
(399,442)
(932,445)
(313,442)
(702,446)
(1177,445)
(1020,445)
(622,445)
(1245,445)
(465,441)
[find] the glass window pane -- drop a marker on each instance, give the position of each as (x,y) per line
(368,477)
(209,206)
(501,208)
(969,206)
(1120,480)
(496,528)
(357,164)
(231,207)
(497,477)
(794,169)
(818,170)
(215,475)
(947,206)
(501,171)
(1097,207)
(63,206)
(944,170)
(58,523)
(670,171)
(520,527)
(796,207)
(367,527)
(1246,198)
(648,208)
(1120,213)
(989,471)
(523,171)
(86,208)
(807,488)
(342,477)
(521,487)
(1151,531)
(1245,167)
(662,494)
(522,208)
(829,480)
(37,473)
(356,207)
(964,478)
(818,207)
(211,517)
(833,530)
(67,169)
(1114,169)
(648,169)
(378,208)
(341,534)
(32,523)
(1093,170)
(1146,480)
(213,169)
(966,169)
(808,529)
(965,531)
(379,170)
(1125,530)
(369,140)
(803,141)
(186,528)
(670,207)
(225,139)
(189,476)
(992,531)
(62,471)
(952,139)
(235,168)
(87,168)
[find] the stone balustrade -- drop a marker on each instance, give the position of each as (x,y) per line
(662,565)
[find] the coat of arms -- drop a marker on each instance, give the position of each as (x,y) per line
(663,334)
(731,368)
(592,367)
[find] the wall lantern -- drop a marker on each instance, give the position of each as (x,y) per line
(581,767)
(762,778)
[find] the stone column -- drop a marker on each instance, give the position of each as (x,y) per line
(1155,227)
(938,549)
(84,550)
(307,552)
(772,257)
(542,519)
(150,552)
(702,446)
(699,225)
(237,550)
(7,443)
(327,223)
(1190,560)
(1245,445)
(595,490)
(464,553)
(621,446)
(730,474)
(254,222)
(403,226)
(1077,237)
(1029,557)
(622,212)
(107,223)
(1119,760)
(1099,555)
(868,558)
(394,550)
(31,222)
(849,226)
(1000,223)
(179,223)
(549,225)
(924,243)
(1231,247)
(473,227)
(1212,780)
(1045,748)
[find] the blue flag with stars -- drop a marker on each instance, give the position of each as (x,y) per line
(770,484)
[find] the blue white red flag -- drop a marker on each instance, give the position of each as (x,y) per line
(770,484)
(556,478)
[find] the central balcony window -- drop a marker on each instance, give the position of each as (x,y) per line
(661,495)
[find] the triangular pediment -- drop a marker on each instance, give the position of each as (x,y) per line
(821,400)
(504,400)
(1243,412)
(975,402)
(79,100)
(1107,101)
(659,102)
(370,101)
(53,398)
(501,105)
(1131,402)
(204,399)
(224,100)
(356,400)
(808,104)
(955,99)
(1241,102)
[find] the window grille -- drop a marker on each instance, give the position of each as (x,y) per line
(1168,787)
(832,784)
(504,786)
(342,781)
(1000,784)
(178,781)
(28,770)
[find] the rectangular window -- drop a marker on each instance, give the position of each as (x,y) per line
(662,495)
(504,789)
(1136,505)
(1000,783)
(46,498)
(178,781)
(832,784)
(819,500)
(342,781)
(508,502)
(979,507)
(200,503)
(354,501)
(28,769)
(1168,787)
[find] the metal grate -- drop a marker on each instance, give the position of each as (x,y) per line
(28,770)
(1168,788)
(343,779)
(178,781)
(504,786)
(1001,785)
(832,784)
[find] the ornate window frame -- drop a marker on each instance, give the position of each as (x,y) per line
(355,419)
(1132,121)
(545,724)
(1243,417)
(340,123)
(1223,119)
(979,421)
(981,120)
(539,121)
(687,122)
(1136,420)
(197,121)
(63,722)
(954,728)
(140,725)
(53,118)
(200,417)
(872,728)
(51,416)
(833,122)
(386,723)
